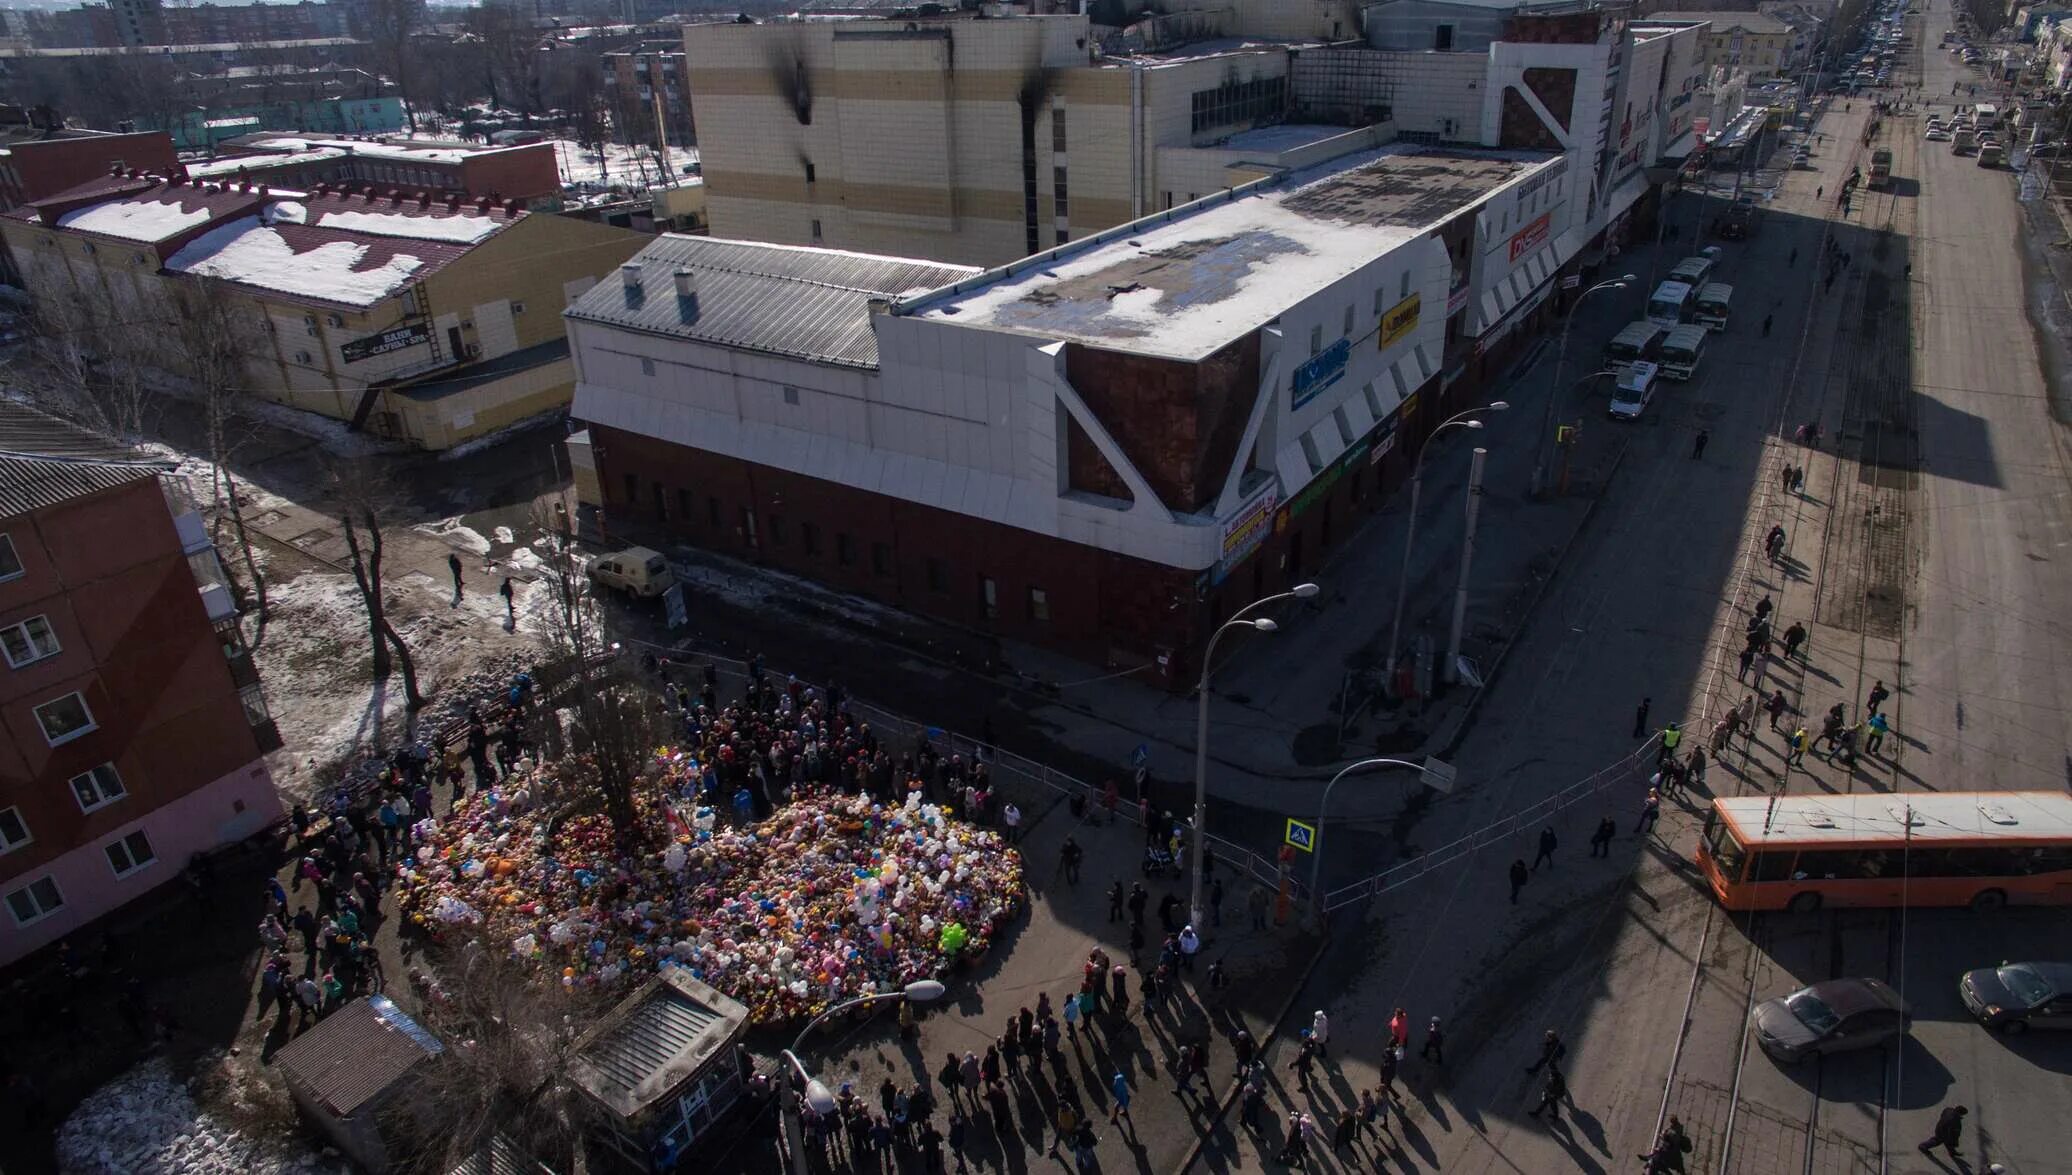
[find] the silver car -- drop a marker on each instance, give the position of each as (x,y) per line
(1833,1016)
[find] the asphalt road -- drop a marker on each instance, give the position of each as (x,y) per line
(1927,552)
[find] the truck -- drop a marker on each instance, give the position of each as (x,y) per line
(1961,140)
(1881,168)
(1989,155)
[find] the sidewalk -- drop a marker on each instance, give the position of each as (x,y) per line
(1044,954)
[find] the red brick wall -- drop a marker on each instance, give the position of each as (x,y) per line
(107,571)
(1179,423)
(1575,28)
(519,173)
(45,167)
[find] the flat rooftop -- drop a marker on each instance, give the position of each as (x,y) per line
(1205,49)
(1185,283)
(1276,139)
(1935,816)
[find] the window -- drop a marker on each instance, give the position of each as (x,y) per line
(712,511)
(1316,338)
(1057,187)
(517,307)
(97,788)
(1442,38)
(1057,129)
(809,171)
(1063,236)
(309,325)
(632,490)
(13,832)
(253,699)
(31,640)
(334,320)
(1039,605)
(791,394)
(10,563)
(989,597)
(845,550)
(938,576)
(881,558)
(1404,292)
(809,538)
(64,719)
(130,854)
(37,900)
(1239,101)
(777,529)
(1379,294)
(1348,331)
(686,504)
(816,232)
(304,358)
(647,368)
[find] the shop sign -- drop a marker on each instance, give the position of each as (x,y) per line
(1384,439)
(1243,534)
(394,339)
(1457,300)
(1527,305)
(1320,371)
(1532,236)
(1400,320)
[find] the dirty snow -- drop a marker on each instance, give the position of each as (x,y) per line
(285,212)
(524,559)
(250,252)
(135,220)
(146,1123)
(450,530)
(219,168)
(454,230)
(198,472)
(502,534)
(632,165)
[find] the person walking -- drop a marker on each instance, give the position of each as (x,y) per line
(1669,1150)
(1119,1086)
(1255,905)
(1068,1126)
(1949,1133)
(1305,1058)
(1796,756)
(1115,896)
(1640,718)
(1650,811)
(1138,898)
(1879,727)
(1793,638)
(1672,735)
(1519,873)
(453,565)
(1551,1094)
(1601,840)
(1547,846)
(1747,660)
(510,603)
(1190,946)
(1877,696)
(1069,854)
(1698,445)
(1776,707)
(1320,1031)
(1391,1061)
(1347,1130)
(1551,1051)
(1694,767)
(1011,816)
(1434,1048)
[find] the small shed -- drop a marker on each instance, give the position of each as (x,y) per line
(349,1065)
(662,1067)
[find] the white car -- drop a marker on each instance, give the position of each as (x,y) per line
(1937,134)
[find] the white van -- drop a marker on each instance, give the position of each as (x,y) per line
(1636,387)
(1692,271)
(1671,303)
(1714,304)
(1682,351)
(1639,342)
(636,571)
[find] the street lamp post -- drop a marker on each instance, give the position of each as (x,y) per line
(818,1096)
(1539,467)
(1457,420)
(1316,856)
(1301,591)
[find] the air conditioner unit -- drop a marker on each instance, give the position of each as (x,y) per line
(474,350)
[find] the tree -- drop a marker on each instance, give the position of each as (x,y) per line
(212,344)
(389,26)
(359,514)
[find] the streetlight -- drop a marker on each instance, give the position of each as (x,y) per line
(1301,591)
(1316,855)
(1458,419)
(1539,467)
(818,1096)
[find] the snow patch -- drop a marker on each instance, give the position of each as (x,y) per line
(525,559)
(216,168)
(285,212)
(452,532)
(146,1123)
(455,230)
(247,251)
(134,220)
(502,534)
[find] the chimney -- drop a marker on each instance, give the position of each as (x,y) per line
(396,199)
(511,208)
(629,273)
(878,305)
(686,283)
(453,202)
(424,199)
(261,189)
(482,204)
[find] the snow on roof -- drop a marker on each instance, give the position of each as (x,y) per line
(405,151)
(1283,137)
(236,163)
(257,254)
(459,230)
(1187,282)
(136,220)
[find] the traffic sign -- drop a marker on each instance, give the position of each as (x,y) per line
(1302,836)
(1141,755)
(1571,282)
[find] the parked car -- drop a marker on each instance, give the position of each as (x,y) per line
(1837,1015)
(1937,134)
(2015,997)
(637,571)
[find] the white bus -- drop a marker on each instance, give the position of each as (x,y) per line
(1714,303)
(1682,351)
(1640,342)
(1670,303)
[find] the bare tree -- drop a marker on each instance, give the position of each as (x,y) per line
(359,514)
(83,354)
(389,28)
(213,345)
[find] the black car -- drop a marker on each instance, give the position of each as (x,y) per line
(1833,1016)
(2015,997)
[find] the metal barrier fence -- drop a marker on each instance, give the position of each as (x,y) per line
(1026,780)
(1638,765)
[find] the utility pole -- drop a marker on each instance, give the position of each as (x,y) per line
(1467,562)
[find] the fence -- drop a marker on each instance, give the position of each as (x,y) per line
(1638,765)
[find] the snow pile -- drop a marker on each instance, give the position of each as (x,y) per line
(504,535)
(230,166)
(285,212)
(450,530)
(630,165)
(454,230)
(135,220)
(253,253)
(145,1122)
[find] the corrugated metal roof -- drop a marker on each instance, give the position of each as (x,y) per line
(45,460)
(500,1156)
(809,304)
(351,1056)
(654,1041)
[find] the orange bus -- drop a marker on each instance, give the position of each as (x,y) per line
(1978,849)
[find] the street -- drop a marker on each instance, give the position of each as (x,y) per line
(1921,554)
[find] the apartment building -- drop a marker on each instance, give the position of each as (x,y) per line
(644,83)
(1763,45)
(1103,448)
(972,141)
(134,722)
(421,319)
